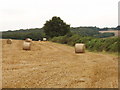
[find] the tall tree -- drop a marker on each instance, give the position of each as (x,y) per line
(56,27)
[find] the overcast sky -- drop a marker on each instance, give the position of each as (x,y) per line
(119,13)
(22,14)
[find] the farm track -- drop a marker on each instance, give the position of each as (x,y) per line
(52,65)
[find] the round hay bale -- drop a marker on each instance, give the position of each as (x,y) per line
(26,45)
(79,48)
(44,39)
(28,40)
(9,41)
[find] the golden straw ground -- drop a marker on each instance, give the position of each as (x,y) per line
(52,65)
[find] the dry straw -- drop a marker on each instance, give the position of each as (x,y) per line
(44,39)
(79,48)
(28,40)
(26,45)
(9,41)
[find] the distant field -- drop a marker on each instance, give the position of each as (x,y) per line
(117,33)
(52,65)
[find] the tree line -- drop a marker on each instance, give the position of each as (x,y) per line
(58,31)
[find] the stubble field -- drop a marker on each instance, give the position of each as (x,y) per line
(52,65)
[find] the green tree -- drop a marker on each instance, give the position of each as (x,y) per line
(56,27)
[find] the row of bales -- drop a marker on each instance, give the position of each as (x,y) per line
(79,47)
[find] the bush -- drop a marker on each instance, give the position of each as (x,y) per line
(73,39)
(104,35)
(92,44)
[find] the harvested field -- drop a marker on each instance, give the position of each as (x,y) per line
(51,65)
(0,63)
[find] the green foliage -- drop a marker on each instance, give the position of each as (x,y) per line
(38,33)
(91,31)
(58,31)
(107,29)
(104,35)
(85,31)
(118,28)
(92,44)
(56,27)
(34,34)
